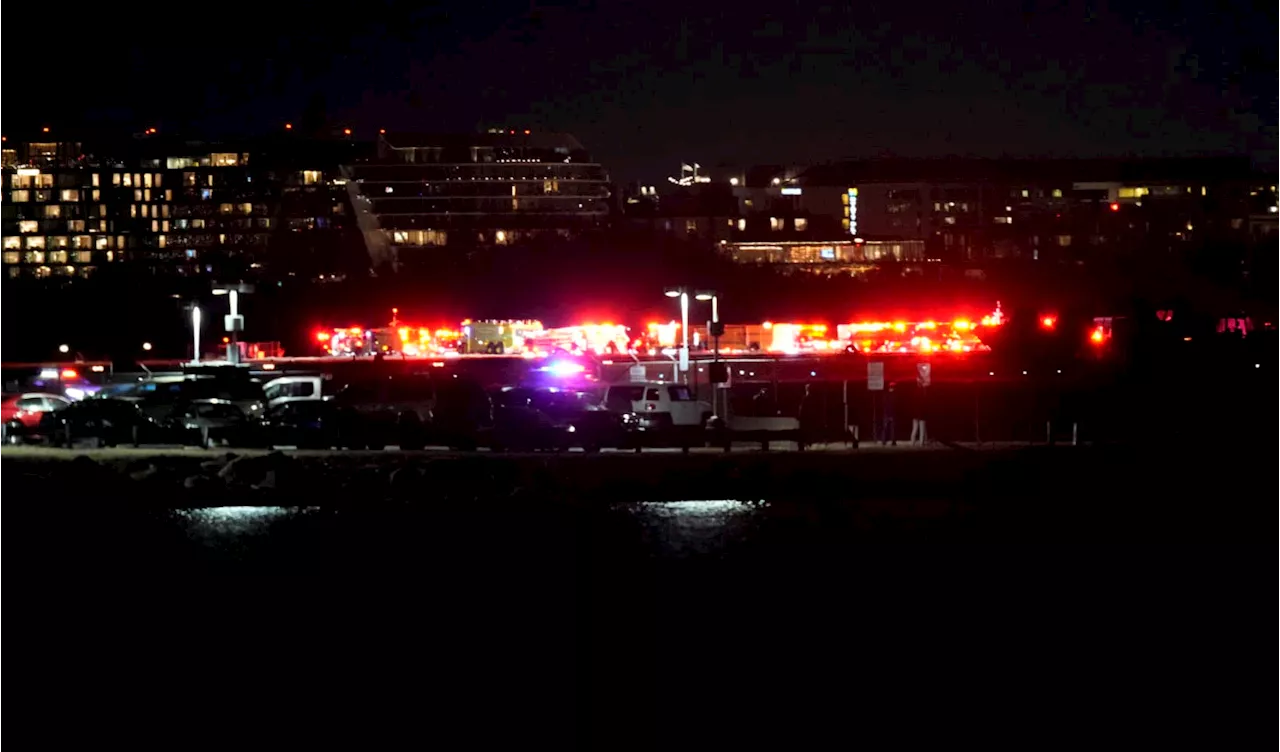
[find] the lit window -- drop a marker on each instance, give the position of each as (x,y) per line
(1026,193)
(20,197)
(310,177)
(115,178)
(12,241)
(20,181)
(11,257)
(97,195)
(225,160)
(57,257)
(1057,193)
(59,241)
(102,210)
(776,223)
(133,210)
(226,208)
(28,226)
(155,225)
(42,271)
(126,180)
(75,225)
(44,180)
(159,177)
(246,208)
(1004,220)
(137,194)
(145,210)
(34,257)
(188,178)
(96,179)
(81,242)
(146,194)
(801,224)
(83,257)
(168,194)
(146,180)
(102,243)
(161,241)
(164,225)
(742,224)
(52,211)
(1064,240)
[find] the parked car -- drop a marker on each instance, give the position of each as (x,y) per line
(321,424)
(554,418)
(19,413)
(208,422)
(663,412)
(104,422)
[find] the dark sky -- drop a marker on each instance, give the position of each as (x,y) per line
(646,85)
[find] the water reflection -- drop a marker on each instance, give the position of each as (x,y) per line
(236,521)
(695,527)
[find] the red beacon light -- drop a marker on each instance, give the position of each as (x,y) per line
(1115,207)
(1048,322)
(69,373)
(1097,336)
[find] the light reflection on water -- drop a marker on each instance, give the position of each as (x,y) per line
(236,521)
(686,527)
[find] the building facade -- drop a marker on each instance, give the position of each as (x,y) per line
(425,192)
(969,210)
(163,206)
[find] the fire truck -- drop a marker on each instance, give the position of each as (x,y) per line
(497,337)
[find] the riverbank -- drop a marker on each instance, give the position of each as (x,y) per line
(1095,492)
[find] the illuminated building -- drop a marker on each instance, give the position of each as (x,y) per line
(495,188)
(844,256)
(974,209)
(164,206)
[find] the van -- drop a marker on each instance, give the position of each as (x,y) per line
(293,388)
(658,406)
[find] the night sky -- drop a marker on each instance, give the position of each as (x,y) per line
(647,85)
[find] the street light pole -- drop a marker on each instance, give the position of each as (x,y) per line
(684,330)
(195,334)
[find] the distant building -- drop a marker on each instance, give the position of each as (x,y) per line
(169,207)
(430,191)
(974,210)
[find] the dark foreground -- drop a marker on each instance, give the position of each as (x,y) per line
(1114,597)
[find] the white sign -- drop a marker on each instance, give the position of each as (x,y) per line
(875,377)
(924,373)
(638,373)
(684,359)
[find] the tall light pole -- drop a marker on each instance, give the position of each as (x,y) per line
(195,333)
(234,323)
(713,329)
(683,295)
